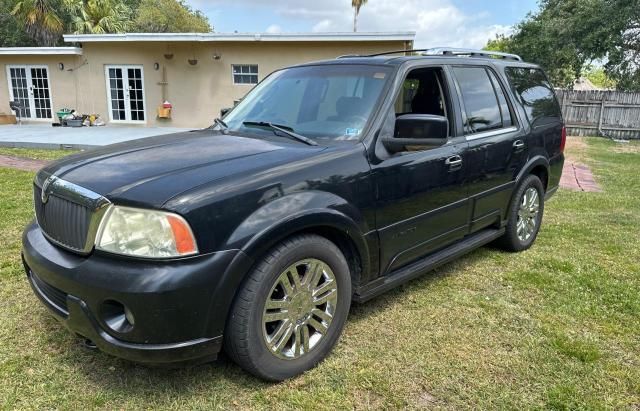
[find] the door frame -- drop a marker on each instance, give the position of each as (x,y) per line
(128,103)
(32,108)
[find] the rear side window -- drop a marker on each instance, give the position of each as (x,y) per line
(480,100)
(507,119)
(535,93)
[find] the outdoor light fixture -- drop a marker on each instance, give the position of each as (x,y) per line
(156,66)
(168,56)
(61,66)
(193,62)
(216,56)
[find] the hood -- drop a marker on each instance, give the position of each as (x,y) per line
(150,171)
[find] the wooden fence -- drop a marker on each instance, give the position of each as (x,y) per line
(612,114)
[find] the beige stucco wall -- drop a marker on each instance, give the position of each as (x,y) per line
(62,82)
(196,92)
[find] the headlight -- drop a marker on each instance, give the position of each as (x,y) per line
(145,233)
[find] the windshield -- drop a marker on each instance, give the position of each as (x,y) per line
(329,102)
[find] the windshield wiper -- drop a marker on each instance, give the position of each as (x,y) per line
(282,129)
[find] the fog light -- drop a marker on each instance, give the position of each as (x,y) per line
(117,316)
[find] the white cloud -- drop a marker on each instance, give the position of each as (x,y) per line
(436,22)
(274,28)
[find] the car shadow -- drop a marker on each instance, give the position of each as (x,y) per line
(126,378)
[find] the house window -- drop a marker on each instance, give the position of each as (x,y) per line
(245,73)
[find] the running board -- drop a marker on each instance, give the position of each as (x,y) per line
(420,267)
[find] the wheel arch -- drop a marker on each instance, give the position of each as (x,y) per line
(538,166)
(253,241)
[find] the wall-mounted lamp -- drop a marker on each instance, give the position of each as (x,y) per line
(168,56)
(156,66)
(216,56)
(193,62)
(61,66)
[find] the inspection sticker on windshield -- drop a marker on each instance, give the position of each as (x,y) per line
(379,75)
(352,131)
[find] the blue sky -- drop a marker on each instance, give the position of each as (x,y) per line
(437,22)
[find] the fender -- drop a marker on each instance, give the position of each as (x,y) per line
(295,212)
(274,222)
(533,162)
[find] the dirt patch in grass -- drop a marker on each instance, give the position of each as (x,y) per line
(22,163)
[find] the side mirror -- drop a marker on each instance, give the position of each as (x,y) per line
(224,111)
(421,130)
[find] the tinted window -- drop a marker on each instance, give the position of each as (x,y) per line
(535,93)
(507,119)
(480,102)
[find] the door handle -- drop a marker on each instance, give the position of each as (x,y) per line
(518,145)
(454,161)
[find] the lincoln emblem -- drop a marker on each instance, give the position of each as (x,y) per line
(45,188)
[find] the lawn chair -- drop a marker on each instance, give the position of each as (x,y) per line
(17,107)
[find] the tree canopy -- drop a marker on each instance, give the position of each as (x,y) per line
(42,22)
(566,36)
(169,16)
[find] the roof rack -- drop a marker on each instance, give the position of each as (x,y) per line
(346,56)
(444,51)
(448,51)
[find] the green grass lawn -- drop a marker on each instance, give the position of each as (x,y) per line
(556,327)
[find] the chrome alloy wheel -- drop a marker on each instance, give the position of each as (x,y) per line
(299,308)
(528,214)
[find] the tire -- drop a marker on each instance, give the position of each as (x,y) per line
(514,239)
(257,345)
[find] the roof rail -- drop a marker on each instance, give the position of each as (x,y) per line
(448,51)
(444,51)
(381,54)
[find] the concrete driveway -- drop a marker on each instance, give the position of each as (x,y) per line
(48,137)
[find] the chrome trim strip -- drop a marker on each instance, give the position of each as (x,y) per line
(491,133)
(96,203)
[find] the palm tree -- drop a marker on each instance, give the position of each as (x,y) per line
(356,4)
(98,16)
(40,21)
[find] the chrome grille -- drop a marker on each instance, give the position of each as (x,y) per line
(63,221)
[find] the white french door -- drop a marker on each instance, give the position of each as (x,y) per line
(125,93)
(29,86)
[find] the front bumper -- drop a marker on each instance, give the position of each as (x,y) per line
(179,306)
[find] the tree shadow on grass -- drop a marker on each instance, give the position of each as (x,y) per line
(120,378)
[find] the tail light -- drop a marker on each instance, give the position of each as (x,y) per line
(563,139)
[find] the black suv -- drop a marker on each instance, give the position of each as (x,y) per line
(330,182)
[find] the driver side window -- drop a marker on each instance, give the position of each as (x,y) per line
(422,93)
(422,96)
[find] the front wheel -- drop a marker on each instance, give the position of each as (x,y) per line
(291,310)
(525,215)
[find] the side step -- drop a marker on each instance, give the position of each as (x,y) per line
(420,267)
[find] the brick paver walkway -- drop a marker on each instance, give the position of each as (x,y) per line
(576,176)
(21,163)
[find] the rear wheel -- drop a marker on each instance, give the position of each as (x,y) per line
(525,215)
(291,310)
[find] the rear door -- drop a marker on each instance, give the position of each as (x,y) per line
(497,145)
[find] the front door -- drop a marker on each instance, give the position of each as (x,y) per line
(422,200)
(29,86)
(125,93)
